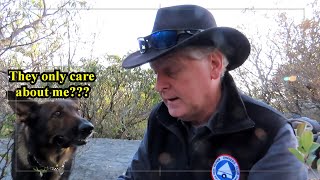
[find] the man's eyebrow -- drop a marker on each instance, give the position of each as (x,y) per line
(161,63)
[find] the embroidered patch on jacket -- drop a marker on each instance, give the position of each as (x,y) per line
(225,167)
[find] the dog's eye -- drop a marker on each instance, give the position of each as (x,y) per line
(57,113)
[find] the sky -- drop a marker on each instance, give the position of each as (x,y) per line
(116,25)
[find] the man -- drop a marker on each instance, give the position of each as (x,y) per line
(205,128)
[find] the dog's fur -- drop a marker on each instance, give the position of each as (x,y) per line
(46,138)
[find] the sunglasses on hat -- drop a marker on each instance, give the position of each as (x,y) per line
(163,39)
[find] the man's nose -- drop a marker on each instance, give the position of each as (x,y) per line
(162,83)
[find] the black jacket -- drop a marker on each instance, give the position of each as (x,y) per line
(242,128)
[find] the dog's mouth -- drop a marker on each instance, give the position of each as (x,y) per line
(65,142)
(76,136)
(83,137)
(80,142)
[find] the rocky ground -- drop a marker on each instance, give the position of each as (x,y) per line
(103,159)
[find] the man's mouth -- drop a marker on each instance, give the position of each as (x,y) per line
(172,99)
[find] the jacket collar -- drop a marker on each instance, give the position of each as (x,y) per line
(231,115)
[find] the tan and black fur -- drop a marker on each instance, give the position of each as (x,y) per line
(46,138)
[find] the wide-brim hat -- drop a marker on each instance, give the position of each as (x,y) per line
(232,43)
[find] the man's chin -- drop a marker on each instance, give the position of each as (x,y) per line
(175,113)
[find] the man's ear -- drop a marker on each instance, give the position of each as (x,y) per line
(216,58)
(22,107)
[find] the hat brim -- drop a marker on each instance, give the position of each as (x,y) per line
(232,43)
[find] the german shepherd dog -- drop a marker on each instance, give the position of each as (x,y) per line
(46,138)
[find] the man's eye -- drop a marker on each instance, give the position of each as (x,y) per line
(57,113)
(171,73)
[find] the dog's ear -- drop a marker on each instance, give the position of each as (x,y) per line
(75,100)
(22,107)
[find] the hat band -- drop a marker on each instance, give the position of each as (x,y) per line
(163,39)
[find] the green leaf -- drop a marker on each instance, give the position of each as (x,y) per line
(40,4)
(301,149)
(314,146)
(300,129)
(306,140)
(310,159)
(297,153)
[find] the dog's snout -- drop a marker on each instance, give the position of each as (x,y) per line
(85,128)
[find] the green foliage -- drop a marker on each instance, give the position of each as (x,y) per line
(306,148)
(120,100)
(7,126)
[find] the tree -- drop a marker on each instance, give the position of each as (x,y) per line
(254,76)
(300,45)
(31,32)
(291,50)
